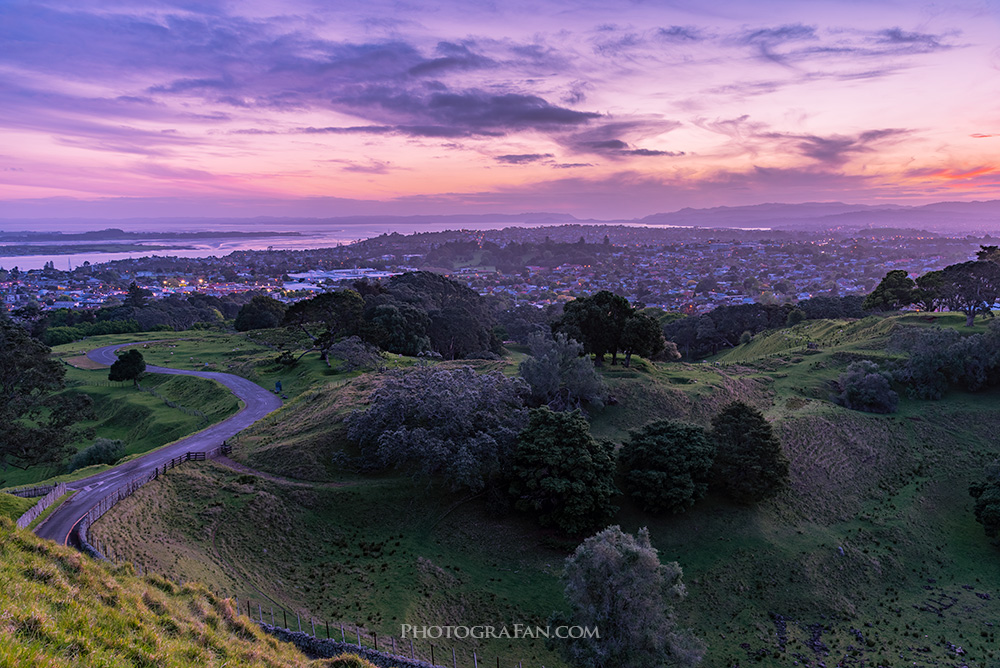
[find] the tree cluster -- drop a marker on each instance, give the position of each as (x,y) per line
(453,422)
(942,357)
(39,421)
(559,374)
(101,451)
(605,323)
(986,492)
(723,327)
(969,287)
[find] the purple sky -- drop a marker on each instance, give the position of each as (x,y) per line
(601,109)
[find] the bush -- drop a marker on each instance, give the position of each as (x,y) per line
(102,451)
(560,376)
(562,474)
(864,388)
(667,465)
(749,463)
(450,421)
(987,496)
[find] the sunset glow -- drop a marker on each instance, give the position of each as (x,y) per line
(603,109)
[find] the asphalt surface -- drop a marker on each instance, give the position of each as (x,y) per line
(257,402)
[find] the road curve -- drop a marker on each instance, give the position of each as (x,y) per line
(257,402)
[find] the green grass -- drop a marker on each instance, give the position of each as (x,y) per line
(12,507)
(61,609)
(875,526)
(141,420)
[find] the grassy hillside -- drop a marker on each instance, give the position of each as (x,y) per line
(59,608)
(13,507)
(871,554)
(142,420)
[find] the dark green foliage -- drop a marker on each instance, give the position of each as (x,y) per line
(615,582)
(606,323)
(667,465)
(260,312)
(561,473)
(137,296)
(749,462)
(37,424)
(891,294)
(795,316)
(397,328)
(987,495)
(449,421)
(130,365)
(928,293)
(940,357)
(971,287)
(101,451)
(559,376)
(864,388)
(354,353)
(338,314)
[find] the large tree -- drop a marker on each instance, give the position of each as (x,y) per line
(971,287)
(893,293)
(749,462)
(336,314)
(130,365)
(38,422)
(615,583)
(864,388)
(453,422)
(667,465)
(558,374)
(606,323)
(561,473)
(261,312)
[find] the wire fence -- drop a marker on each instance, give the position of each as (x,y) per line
(314,635)
(55,492)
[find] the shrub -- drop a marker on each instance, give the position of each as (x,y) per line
(864,388)
(102,451)
(749,463)
(987,496)
(667,465)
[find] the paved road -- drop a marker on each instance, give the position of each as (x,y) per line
(257,402)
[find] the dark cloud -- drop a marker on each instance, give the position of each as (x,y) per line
(767,40)
(522,158)
(680,34)
(183,85)
(835,150)
(653,153)
(605,145)
(571,165)
(452,57)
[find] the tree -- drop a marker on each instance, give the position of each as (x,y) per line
(338,313)
(795,316)
(893,293)
(130,365)
(606,323)
(927,294)
(971,287)
(616,583)
(38,421)
(137,296)
(864,388)
(749,463)
(261,312)
(558,374)
(667,464)
(987,495)
(642,336)
(453,422)
(561,473)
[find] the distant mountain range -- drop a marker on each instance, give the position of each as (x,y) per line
(942,217)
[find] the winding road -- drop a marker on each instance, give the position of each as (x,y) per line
(257,402)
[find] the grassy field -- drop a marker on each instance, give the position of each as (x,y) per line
(13,507)
(143,421)
(60,609)
(871,554)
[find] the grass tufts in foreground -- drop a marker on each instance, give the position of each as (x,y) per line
(60,608)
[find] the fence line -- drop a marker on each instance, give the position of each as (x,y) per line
(30,492)
(24,520)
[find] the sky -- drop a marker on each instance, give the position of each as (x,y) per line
(604,109)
